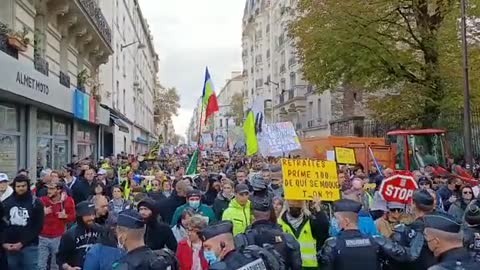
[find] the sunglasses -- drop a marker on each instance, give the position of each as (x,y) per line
(396,210)
(467,192)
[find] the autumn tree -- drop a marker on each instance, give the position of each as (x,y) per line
(166,103)
(236,108)
(408,49)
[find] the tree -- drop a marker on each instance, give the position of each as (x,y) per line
(167,103)
(236,108)
(410,47)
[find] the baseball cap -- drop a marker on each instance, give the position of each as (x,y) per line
(3,177)
(240,188)
(102,172)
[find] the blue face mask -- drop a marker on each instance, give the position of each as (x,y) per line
(210,256)
(194,204)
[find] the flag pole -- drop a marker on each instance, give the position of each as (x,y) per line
(200,125)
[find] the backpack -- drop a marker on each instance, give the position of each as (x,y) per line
(164,259)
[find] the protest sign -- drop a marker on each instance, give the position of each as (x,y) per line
(304,179)
(398,188)
(345,155)
(278,139)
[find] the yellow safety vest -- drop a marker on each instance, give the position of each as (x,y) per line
(308,244)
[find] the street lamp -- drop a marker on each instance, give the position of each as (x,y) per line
(140,45)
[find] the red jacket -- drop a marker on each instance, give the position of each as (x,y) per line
(185,256)
(52,225)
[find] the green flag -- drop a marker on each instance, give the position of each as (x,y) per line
(192,165)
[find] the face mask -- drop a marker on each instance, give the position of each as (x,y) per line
(295,211)
(210,256)
(194,204)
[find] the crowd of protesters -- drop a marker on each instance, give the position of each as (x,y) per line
(67,219)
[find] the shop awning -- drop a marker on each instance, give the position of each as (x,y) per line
(120,123)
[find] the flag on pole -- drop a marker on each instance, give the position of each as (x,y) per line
(192,165)
(209,99)
(250,134)
(153,153)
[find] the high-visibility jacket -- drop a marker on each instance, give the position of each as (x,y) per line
(308,244)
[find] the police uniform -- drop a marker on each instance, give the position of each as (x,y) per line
(234,259)
(350,249)
(471,233)
(454,259)
(142,258)
(268,234)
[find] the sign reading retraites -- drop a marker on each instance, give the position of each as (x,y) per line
(304,179)
(345,155)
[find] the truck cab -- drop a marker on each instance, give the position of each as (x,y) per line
(415,149)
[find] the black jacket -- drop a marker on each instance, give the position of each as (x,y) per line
(220,205)
(156,196)
(82,190)
(142,258)
(158,235)
(168,206)
(75,243)
(457,258)
(24,216)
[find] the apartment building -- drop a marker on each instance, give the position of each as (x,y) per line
(272,71)
(223,119)
(50,54)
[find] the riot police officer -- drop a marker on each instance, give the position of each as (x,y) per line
(350,249)
(130,235)
(265,231)
(442,233)
(221,253)
(471,232)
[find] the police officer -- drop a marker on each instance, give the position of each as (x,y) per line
(442,233)
(265,232)
(350,249)
(260,188)
(130,235)
(220,251)
(471,232)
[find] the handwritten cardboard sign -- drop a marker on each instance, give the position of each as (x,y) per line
(304,179)
(345,155)
(278,139)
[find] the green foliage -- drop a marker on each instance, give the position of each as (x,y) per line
(166,104)
(411,47)
(236,109)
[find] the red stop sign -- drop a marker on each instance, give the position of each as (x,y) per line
(398,188)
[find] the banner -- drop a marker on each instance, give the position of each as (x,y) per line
(345,155)
(278,139)
(305,179)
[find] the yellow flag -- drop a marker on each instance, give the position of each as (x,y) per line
(250,136)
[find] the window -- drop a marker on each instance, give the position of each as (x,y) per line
(319,108)
(44,124)
(9,139)
(221,122)
(293,80)
(124,101)
(310,110)
(116,96)
(8,118)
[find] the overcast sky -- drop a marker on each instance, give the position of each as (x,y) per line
(192,34)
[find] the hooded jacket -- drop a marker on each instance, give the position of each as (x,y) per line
(24,216)
(158,235)
(169,205)
(240,216)
(6,194)
(75,243)
(220,205)
(103,254)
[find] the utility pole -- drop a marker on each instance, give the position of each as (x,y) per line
(467,130)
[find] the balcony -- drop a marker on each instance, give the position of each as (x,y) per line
(83,20)
(292,98)
(64,79)
(318,123)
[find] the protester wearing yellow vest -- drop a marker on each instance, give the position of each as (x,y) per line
(310,230)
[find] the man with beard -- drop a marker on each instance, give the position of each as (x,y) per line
(59,210)
(158,235)
(24,216)
(78,239)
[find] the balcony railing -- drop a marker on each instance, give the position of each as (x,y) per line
(316,123)
(95,13)
(296,92)
(40,64)
(64,79)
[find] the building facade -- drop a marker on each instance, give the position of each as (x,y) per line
(129,80)
(50,54)
(223,119)
(272,71)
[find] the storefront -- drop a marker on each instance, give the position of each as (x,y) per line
(35,118)
(86,129)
